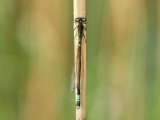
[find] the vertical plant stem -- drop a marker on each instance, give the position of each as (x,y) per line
(79,11)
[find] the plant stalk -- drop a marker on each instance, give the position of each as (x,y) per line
(79,11)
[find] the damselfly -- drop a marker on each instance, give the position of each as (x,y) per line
(80,27)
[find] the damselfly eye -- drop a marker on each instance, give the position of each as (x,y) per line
(76,20)
(84,19)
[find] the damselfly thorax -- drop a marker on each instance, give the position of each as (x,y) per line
(80,24)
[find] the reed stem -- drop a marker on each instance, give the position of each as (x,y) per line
(79,11)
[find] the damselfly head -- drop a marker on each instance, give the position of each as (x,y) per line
(80,20)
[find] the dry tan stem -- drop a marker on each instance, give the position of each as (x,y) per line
(79,11)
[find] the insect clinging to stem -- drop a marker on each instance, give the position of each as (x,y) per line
(80,27)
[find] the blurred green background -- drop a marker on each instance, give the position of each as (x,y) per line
(123,60)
